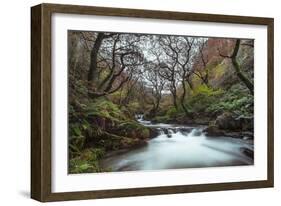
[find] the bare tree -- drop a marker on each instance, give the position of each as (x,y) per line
(168,66)
(185,50)
(127,92)
(114,58)
(145,97)
(156,85)
(178,51)
(202,59)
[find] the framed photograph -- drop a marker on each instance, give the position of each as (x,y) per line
(132,102)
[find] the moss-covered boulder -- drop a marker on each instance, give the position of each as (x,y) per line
(227,121)
(87,161)
(213,131)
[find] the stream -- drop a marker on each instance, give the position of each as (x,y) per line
(178,146)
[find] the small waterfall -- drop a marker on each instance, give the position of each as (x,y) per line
(195,132)
(178,146)
(160,131)
(166,131)
(183,131)
(139,118)
(170,131)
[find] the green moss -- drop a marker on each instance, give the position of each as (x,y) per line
(134,130)
(208,100)
(145,133)
(106,109)
(80,88)
(235,100)
(202,97)
(76,130)
(134,107)
(76,138)
(87,161)
(172,112)
(101,124)
(205,90)
(163,119)
(219,70)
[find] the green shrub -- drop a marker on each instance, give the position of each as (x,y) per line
(76,138)
(134,107)
(203,97)
(235,100)
(87,161)
(172,112)
(206,91)
(163,119)
(145,133)
(106,109)
(134,129)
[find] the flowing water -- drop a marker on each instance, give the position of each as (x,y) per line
(180,147)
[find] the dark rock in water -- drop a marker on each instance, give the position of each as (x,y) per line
(133,143)
(197,133)
(234,134)
(247,123)
(213,131)
(185,130)
(227,125)
(165,130)
(227,121)
(248,135)
(170,132)
(247,138)
(248,152)
(153,132)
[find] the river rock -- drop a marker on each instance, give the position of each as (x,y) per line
(248,152)
(228,122)
(247,123)
(129,143)
(153,132)
(185,130)
(248,135)
(213,131)
(234,134)
(197,132)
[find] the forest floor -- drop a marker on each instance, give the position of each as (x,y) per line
(101,127)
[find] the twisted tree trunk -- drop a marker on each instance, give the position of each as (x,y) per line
(94,56)
(236,66)
(239,73)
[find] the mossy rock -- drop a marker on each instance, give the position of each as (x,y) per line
(87,161)
(105,109)
(133,129)
(213,131)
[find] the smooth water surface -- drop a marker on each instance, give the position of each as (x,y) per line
(180,147)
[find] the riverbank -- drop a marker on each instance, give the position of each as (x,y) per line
(226,124)
(99,127)
(180,146)
(105,131)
